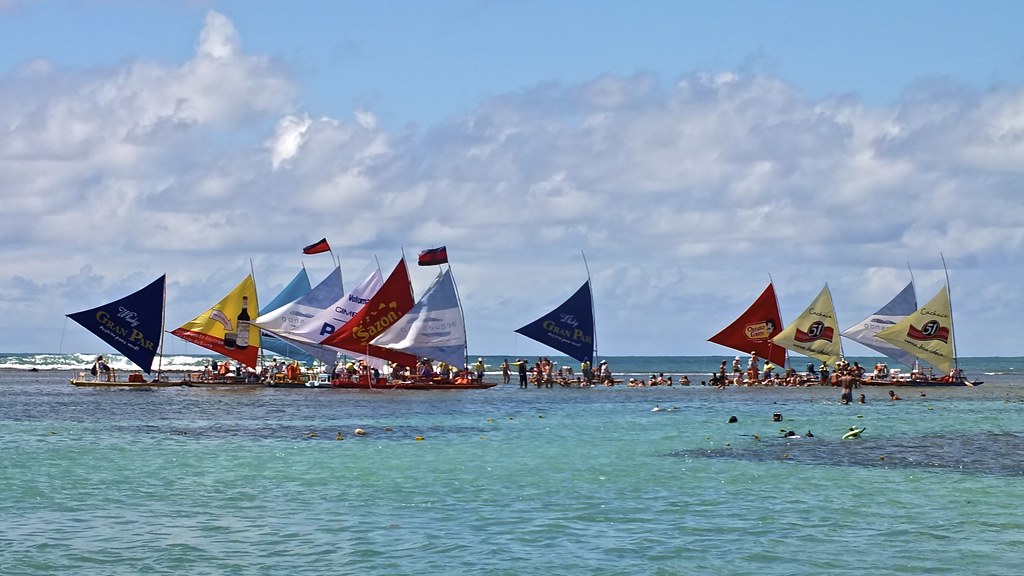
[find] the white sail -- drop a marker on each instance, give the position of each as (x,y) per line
(865,332)
(434,328)
(292,316)
(814,333)
(318,326)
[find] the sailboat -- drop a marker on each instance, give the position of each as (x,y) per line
(388,304)
(434,328)
(754,329)
(866,331)
(134,326)
(282,321)
(227,329)
(927,334)
(306,327)
(814,332)
(568,328)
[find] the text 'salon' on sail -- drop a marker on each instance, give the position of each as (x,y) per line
(391,302)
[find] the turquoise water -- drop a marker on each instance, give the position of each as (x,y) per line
(510,481)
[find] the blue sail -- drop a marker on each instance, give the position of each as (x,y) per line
(568,328)
(133,325)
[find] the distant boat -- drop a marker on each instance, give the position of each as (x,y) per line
(434,329)
(814,332)
(754,329)
(569,327)
(389,303)
(866,331)
(927,335)
(134,326)
(227,329)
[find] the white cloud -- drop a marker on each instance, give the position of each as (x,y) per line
(684,195)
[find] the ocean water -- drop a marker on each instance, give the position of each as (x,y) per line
(509,481)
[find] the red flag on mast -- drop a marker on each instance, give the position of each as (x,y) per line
(317,247)
(433,257)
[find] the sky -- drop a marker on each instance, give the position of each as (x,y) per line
(682,155)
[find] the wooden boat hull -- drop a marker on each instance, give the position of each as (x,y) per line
(933,382)
(385,384)
(126,384)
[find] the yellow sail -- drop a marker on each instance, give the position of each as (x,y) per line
(927,333)
(226,328)
(815,332)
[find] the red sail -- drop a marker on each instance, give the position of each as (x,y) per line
(754,329)
(391,302)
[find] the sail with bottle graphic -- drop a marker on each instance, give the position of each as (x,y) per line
(390,303)
(754,329)
(569,328)
(226,328)
(297,288)
(814,333)
(866,331)
(434,328)
(927,333)
(133,325)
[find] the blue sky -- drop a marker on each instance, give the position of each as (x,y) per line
(690,149)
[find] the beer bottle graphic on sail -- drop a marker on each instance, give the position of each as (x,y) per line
(242,338)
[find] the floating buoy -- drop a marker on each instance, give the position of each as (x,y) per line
(419,438)
(360,432)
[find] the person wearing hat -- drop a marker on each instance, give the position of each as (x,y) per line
(479,369)
(606,374)
(524,368)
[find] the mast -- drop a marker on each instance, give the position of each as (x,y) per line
(835,319)
(163,321)
(262,359)
(956,362)
(593,312)
(771,337)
